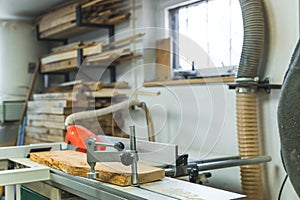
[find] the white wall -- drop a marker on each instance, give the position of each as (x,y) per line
(18,47)
(201,118)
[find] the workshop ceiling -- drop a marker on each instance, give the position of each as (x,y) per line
(24,9)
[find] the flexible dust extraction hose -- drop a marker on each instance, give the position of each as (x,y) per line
(246,114)
(110,109)
(246,103)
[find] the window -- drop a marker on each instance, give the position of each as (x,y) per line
(216,26)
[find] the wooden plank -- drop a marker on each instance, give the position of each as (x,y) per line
(96,49)
(53,96)
(74,163)
(65,31)
(57,12)
(56,22)
(118,19)
(65,65)
(54,118)
(54,103)
(163,60)
(120,84)
(70,83)
(108,92)
(112,55)
(90,85)
(126,40)
(48,131)
(189,81)
(86,5)
(57,29)
(50,110)
(45,138)
(59,57)
(66,47)
(46,124)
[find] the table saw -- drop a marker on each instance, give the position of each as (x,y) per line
(20,171)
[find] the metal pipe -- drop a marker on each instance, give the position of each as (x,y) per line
(233,163)
(134,176)
(220,163)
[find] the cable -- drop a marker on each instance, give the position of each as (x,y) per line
(282,186)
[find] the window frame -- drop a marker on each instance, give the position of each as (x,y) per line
(170,24)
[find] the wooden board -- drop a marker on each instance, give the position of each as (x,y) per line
(75,163)
(56,57)
(163,60)
(54,118)
(45,131)
(189,81)
(54,103)
(44,138)
(46,124)
(65,65)
(53,96)
(50,110)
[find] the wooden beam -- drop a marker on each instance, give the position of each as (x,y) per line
(64,65)
(54,103)
(50,110)
(67,47)
(46,124)
(46,131)
(56,57)
(189,81)
(126,40)
(54,118)
(57,22)
(53,96)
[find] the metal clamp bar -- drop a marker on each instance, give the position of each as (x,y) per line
(134,176)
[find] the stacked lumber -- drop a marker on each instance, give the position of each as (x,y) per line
(45,120)
(60,22)
(47,111)
(64,58)
(114,52)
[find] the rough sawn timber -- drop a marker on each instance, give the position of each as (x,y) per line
(116,173)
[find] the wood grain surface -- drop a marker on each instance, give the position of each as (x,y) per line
(116,173)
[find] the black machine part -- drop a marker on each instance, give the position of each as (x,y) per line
(288,115)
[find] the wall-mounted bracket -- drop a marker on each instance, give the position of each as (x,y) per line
(265,85)
(38,36)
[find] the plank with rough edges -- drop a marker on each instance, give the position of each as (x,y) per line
(74,163)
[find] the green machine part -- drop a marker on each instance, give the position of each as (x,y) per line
(27,194)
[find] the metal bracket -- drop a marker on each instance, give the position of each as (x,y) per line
(38,36)
(265,85)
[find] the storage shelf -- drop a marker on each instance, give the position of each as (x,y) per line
(72,23)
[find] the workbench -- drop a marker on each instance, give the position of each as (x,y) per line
(40,178)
